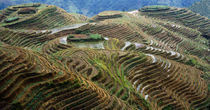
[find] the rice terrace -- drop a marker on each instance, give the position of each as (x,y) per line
(153,58)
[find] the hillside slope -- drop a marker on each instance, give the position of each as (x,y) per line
(114,60)
(182,16)
(93,7)
(202,8)
(37,16)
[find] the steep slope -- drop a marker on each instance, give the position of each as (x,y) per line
(116,60)
(151,77)
(179,15)
(34,81)
(37,17)
(202,8)
(159,33)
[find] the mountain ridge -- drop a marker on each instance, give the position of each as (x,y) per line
(91,8)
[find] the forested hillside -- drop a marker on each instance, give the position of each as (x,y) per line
(93,7)
(202,7)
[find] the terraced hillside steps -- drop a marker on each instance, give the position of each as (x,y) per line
(155,58)
(100,73)
(153,32)
(181,15)
(45,17)
(54,46)
(23,39)
(40,84)
(115,44)
(116,31)
(183,30)
(107,15)
(155,79)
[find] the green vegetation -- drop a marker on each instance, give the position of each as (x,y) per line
(95,36)
(181,15)
(70,36)
(143,62)
(27,5)
(154,8)
(192,62)
(12,19)
(27,11)
(93,7)
(201,7)
(78,31)
(38,17)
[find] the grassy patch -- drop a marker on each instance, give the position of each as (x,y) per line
(192,62)
(155,8)
(12,19)
(95,36)
(78,31)
(85,37)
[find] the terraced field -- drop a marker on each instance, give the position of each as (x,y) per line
(37,17)
(180,15)
(129,62)
(159,33)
